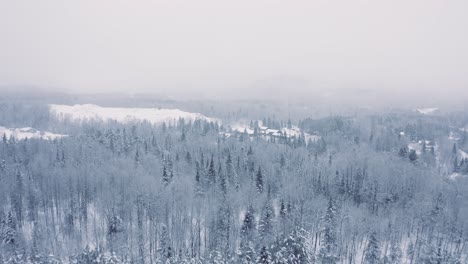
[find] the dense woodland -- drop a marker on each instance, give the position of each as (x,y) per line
(374,188)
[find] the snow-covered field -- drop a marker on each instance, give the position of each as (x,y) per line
(294,131)
(28,132)
(427,111)
(90,112)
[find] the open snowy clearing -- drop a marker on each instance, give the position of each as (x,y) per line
(90,112)
(427,111)
(28,132)
(294,131)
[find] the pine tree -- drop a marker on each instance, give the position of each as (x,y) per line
(32,203)
(413,156)
(211,177)
(229,169)
(35,253)
(265,228)
(141,245)
(137,156)
(223,183)
(403,153)
(146,147)
(429,254)
(248,225)
(17,197)
(113,224)
(164,244)
(165,176)
(223,227)
(410,250)
(259,181)
(372,252)
(328,253)
(264,257)
(183,136)
(456,167)
(250,151)
(292,249)
(282,209)
(9,230)
(188,157)
(69,223)
(198,183)
(395,252)
(437,210)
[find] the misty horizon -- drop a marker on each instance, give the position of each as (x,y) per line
(211,50)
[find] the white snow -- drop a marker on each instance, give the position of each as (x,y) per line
(28,132)
(463,154)
(90,112)
(427,111)
(454,176)
(452,136)
(415,146)
(242,126)
(296,131)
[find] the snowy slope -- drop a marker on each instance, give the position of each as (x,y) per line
(28,132)
(90,112)
(427,111)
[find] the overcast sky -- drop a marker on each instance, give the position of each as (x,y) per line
(237,48)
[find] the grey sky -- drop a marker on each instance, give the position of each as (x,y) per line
(237,48)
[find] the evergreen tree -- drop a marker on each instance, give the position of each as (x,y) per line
(165,176)
(403,152)
(137,157)
(395,253)
(223,227)
(141,245)
(292,249)
(437,211)
(248,224)
(456,167)
(223,183)
(230,169)
(164,244)
(413,156)
(259,181)
(265,228)
(211,177)
(9,230)
(17,197)
(264,257)
(372,252)
(329,251)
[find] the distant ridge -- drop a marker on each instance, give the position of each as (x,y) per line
(91,112)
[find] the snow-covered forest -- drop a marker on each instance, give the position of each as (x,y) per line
(384,187)
(233,132)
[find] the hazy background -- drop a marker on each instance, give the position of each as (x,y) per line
(296,50)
